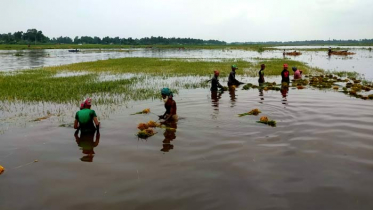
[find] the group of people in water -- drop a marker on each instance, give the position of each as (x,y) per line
(87,123)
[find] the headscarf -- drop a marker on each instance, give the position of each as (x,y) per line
(87,103)
(216,72)
(294,68)
(167,92)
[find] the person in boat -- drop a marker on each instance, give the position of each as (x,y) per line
(261,74)
(297,73)
(232,77)
(86,119)
(170,105)
(215,84)
(285,74)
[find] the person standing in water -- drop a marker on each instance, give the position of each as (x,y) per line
(86,118)
(261,74)
(170,105)
(232,77)
(285,74)
(297,73)
(215,82)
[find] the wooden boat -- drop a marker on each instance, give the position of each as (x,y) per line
(293,53)
(76,50)
(340,53)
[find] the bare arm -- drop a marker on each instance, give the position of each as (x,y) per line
(97,123)
(76,124)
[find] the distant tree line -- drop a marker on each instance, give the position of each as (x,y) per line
(33,36)
(312,42)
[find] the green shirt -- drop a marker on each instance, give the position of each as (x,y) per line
(85,119)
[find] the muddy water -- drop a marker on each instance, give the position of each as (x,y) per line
(361,62)
(320,156)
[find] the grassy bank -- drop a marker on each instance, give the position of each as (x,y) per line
(145,77)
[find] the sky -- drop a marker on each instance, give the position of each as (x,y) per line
(226,20)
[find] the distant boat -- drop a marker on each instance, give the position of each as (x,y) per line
(340,53)
(76,50)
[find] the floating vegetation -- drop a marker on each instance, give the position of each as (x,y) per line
(18,54)
(1,169)
(225,88)
(267,121)
(252,112)
(152,124)
(145,111)
(142,126)
(143,134)
(247,86)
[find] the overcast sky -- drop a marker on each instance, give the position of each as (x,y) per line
(227,20)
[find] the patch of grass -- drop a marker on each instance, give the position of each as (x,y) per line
(151,74)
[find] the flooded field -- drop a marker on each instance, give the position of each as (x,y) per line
(319,155)
(361,62)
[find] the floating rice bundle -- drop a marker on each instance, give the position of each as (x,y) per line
(335,87)
(300,87)
(145,111)
(252,112)
(1,169)
(142,126)
(267,121)
(152,124)
(225,88)
(247,86)
(143,134)
(370,96)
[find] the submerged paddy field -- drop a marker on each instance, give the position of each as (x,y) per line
(319,154)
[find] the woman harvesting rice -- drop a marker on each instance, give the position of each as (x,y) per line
(170,105)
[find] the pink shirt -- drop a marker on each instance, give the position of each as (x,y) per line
(297,74)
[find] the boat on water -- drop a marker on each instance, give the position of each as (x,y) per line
(340,53)
(76,50)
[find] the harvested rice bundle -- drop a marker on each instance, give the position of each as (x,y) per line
(142,126)
(266,120)
(145,133)
(1,169)
(152,124)
(145,111)
(252,112)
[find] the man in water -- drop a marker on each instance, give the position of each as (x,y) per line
(215,82)
(170,105)
(297,73)
(86,118)
(261,74)
(285,74)
(232,77)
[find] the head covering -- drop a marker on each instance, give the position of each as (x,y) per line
(294,68)
(263,65)
(285,65)
(234,66)
(167,92)
(86,104)
(216,72)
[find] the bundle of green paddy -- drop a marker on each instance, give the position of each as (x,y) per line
(265,120)
(145,133)
(321,82)
(247,86)
(252,112)
(145,111)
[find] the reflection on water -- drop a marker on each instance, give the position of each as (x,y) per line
(87,142)
(232,95)
(169,135)
(284,92)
